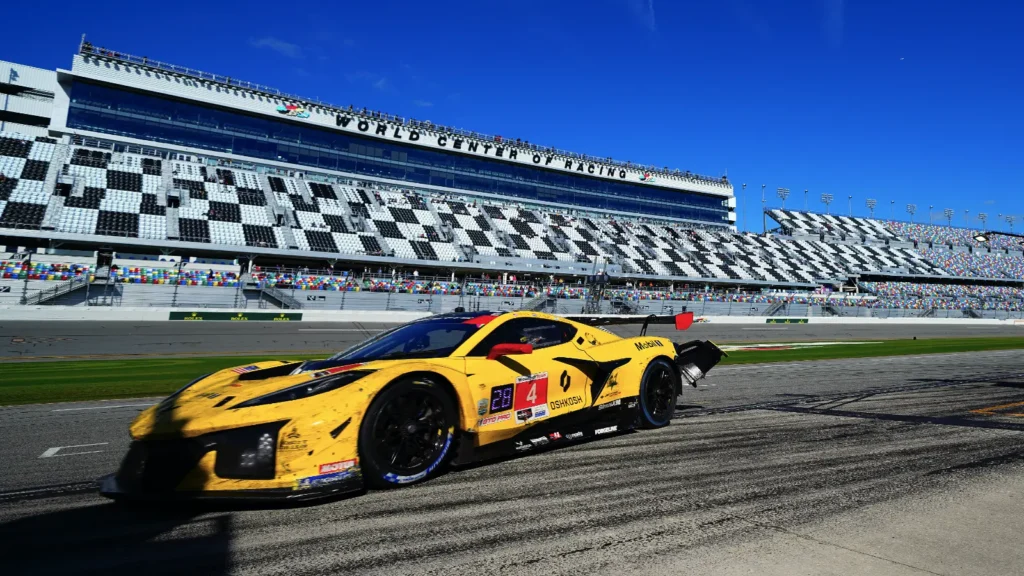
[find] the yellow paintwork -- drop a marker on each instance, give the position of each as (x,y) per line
(304,443)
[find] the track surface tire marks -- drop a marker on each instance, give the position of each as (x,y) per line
(738,466)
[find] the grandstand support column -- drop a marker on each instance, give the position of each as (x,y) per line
(172,224)
(304,191)
(56,204)
(167,179)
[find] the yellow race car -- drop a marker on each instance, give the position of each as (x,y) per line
(400,407)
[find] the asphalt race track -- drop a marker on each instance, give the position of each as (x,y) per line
(867,466)
(72,340)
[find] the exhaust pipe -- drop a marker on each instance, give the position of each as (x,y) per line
(696,358)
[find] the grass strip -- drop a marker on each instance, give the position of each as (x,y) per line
(887,348)
(71,381)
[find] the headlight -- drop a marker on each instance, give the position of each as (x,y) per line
(246,452)
(305,390)
(167,402)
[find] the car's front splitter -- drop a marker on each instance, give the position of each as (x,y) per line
(111,488)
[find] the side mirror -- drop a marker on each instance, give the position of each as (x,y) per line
(500,350)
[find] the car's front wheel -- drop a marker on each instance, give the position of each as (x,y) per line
(658,394)
(408,433)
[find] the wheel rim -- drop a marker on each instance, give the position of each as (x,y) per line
(659,395)
(410,432)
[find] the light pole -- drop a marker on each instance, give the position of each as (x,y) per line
(967,221)
(948,213)
(744,208)
(871,203)
(1010,220)
(984,237)
(911,208)
(849,199)
(782,193)
(892,210)
(805,199)
(826,199)
(982,216)
(930,207)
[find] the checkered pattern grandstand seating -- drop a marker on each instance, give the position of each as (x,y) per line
(24,162)
(812,224)
(123,194)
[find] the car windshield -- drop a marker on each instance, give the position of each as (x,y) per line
(432,339)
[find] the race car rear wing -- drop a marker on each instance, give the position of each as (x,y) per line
(682,321)
(694,358)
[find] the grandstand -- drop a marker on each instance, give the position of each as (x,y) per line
(153,183)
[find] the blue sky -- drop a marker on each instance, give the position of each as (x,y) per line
(906,101)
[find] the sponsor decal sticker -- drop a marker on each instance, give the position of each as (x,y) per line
(565,381)
(648,344)
(574,436)
(611,404)
(565,403)
(612,394)
(493,419)
(606,430)
(481,407)
(522,446)
(244,369)
(292,441)
(523,416)
(632,404)
(555,436)
(539,441)
(339,466)
(323,479)
(647,178)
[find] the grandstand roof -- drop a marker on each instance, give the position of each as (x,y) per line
(675,176)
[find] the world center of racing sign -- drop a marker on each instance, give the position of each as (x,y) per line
(507,151)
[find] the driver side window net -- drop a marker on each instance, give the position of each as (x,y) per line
(538,332)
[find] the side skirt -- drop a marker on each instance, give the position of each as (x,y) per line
(557,431)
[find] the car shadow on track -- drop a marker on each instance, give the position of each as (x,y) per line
(115,539)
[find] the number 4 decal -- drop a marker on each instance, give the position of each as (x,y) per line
(531,391)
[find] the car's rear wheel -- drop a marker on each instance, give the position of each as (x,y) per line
(408,433)
(658,394)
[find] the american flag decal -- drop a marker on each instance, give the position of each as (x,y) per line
(244,369)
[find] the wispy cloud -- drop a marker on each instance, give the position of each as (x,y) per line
(277,45)
(643,11)
(376,80)
(423,103)
(833,22)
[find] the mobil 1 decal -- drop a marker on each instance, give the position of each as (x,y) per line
(531,397)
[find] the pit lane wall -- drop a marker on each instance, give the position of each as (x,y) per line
(120,314)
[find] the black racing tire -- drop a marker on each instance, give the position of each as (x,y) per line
(408,434)
(658,391)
